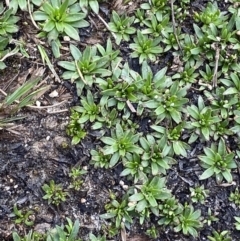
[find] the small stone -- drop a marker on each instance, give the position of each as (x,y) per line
(38,103)
(53,94)
(83,200)
(66,38)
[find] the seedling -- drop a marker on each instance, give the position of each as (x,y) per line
(121,27)
(59,18)
(145,48)
(22,216)
(237,223)
(54,193)
(235,197)
(170,210)
(118,211)
(223,236)
(86,67)
(189,221)
(119,144)
(148,194)
(198,194)
(217,162)
(75,129)
(76,178)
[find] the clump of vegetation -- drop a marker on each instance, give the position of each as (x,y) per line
(184,82)
(54,193)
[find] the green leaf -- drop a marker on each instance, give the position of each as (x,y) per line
(207,173)
(136,197)
(74,17)
(71,32)
(94,6)
(175,115)
(230,91)
(48,9)
(108,140)
(74,231)
(67,65)
(63,8)
(227,175)
(49,26)
(195,51)
(205,132)
(179,149)
(108,215)
(114,159)
(22,90)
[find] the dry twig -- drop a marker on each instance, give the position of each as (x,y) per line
(214,79)
(174,25)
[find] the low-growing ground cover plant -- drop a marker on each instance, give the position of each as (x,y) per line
(154,116)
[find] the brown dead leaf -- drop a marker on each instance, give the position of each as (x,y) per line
(121,8)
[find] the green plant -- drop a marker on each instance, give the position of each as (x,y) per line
(170,40)
(121,27)
(120,143)
(92,237)
(152,232)
(89,111)
(68,232)
(22,216)
(148,194)
(60,17)
(157,26)
(86,67)
(15,4)
(86,4)
(172,136)
(237,223)
(211,14)
(190,50)
(218,162)
(23,96)
(232,83)
(8,26)
(111,53)
(139,17)
(54,193)
(189,221)
(187,76)
(210,218)
(169,102)
(202,120)
(75,129)
(120,88)
(198,194)
(223,236)
(220,102)
(170,209)
(30,236)
(99,159)
(235,197)
(76,177)
(8,22)
(135,167)
(157,7)
(119,211)
(156,154)
(145,48)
